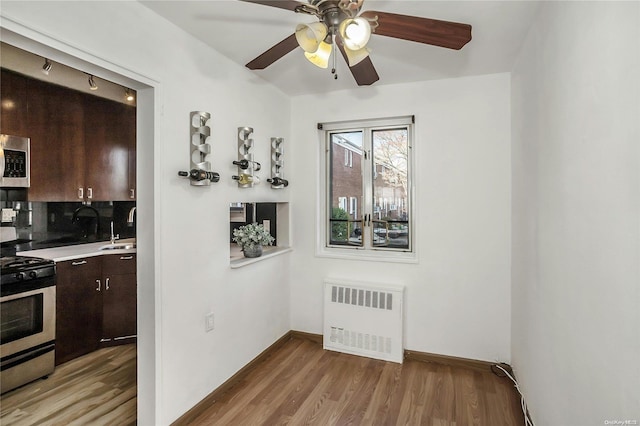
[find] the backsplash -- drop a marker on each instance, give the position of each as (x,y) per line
(51,224)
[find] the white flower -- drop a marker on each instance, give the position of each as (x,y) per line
(252,234)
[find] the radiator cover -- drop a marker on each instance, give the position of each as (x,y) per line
(362,318)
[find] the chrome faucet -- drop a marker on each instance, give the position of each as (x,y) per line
(114,237)
(131,217)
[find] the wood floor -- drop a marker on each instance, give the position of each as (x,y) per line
(301,384)
(297,384)
(96,389)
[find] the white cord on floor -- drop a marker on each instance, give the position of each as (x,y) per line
(523,404)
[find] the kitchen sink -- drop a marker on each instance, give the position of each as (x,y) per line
(119,246)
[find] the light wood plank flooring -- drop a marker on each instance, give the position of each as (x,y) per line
(297,384)
(301,384)
(96,389)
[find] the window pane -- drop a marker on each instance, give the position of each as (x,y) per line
(345,188)
(390,187)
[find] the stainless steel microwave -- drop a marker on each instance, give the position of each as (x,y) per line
(15,161)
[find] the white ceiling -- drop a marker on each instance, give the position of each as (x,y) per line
(241,31)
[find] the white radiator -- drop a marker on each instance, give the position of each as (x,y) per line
(363,319)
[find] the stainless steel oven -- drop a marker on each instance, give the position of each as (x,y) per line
(15,161)
(28,320)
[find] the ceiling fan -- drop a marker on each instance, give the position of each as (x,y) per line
(341,25)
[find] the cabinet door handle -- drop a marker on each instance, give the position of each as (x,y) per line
(98,288)
(82,262)
(126,257)
(89,193)
(81,193)
(132,193)
(107,284)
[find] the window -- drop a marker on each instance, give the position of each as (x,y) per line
(353,209)
(348,157)
(367,200)
(342,203)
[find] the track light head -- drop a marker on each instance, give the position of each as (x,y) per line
(128,94)
(92,84)
(46,67)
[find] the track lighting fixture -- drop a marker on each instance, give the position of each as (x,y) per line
(92,84)
(46,67)
(128,94)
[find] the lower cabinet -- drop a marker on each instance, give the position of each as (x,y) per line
(78,308)
(96,301)
(119,299)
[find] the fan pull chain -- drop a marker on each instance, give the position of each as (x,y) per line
(335,53)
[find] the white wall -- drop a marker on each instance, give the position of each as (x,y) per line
(186,236)
(576,212)
(457,300)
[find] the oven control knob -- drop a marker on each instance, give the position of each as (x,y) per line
(20,276)
(33,274)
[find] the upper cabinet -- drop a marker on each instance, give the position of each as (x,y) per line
(82,146)
(56,127)
(13,91)
(109,130)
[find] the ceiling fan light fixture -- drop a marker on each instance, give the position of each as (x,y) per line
(355,33)
(354,57)
(309,36)
(320,57)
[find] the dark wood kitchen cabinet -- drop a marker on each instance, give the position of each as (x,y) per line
(56,129)
(82,146)
(96,304)
(109,131)
(119,299)
(13,114)
(78,308)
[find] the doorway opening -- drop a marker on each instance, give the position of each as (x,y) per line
(41,45)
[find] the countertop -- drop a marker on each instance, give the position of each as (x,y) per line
(78,251)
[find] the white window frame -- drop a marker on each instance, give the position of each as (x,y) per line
(342,203)
(348,157)
(353,206)
(323,249)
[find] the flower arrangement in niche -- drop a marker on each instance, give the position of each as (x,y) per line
(251,238)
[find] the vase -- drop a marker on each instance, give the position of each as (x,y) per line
(254,250)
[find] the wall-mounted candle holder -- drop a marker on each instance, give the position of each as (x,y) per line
(200,173)
(246,166)
(277,162)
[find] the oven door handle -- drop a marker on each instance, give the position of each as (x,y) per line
(98,288)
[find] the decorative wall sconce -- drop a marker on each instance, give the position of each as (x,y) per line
(245,163)
(200,173)
(277,150)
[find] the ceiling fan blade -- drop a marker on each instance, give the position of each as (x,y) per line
(273,54)
(363,72)
(282,4)
(452,35)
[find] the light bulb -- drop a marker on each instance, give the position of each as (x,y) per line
(355,33)
(129,95)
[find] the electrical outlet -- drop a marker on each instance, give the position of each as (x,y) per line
(208,322)
(266,224)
